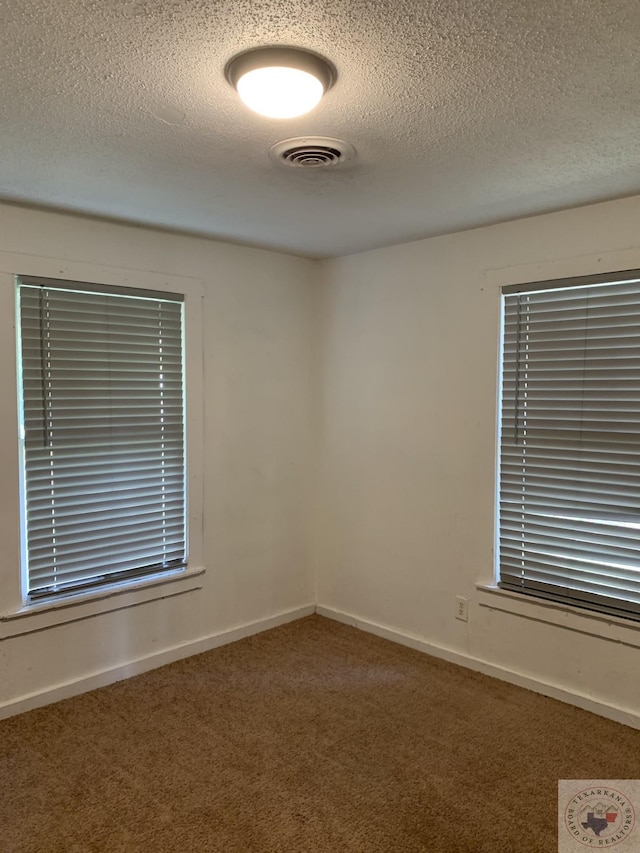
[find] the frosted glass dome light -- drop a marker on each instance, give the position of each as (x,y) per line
(280,92)
(280,82)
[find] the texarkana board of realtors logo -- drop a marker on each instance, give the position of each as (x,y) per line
(598,814)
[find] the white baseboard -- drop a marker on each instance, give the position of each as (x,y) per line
(611,712)
(144,664)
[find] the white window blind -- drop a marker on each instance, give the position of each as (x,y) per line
(569,516)
(103,422)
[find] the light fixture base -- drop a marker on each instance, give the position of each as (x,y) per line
(283,57)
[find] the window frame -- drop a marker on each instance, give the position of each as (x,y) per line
(91,300)
(18,615)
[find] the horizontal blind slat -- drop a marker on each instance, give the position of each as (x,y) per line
(68,581)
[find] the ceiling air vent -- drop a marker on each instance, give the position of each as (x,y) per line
(312,152)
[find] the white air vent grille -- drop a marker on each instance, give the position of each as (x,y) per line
(311,155)
(312,152)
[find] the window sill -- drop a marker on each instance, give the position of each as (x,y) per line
(613,628)
(72,608)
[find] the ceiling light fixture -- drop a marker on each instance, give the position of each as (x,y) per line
(280,82)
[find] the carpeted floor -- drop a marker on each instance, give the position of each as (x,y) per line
(311,738)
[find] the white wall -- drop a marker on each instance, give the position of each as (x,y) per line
(406,519)
(258,324)
(400,432)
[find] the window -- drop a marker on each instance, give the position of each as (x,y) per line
(569,490)
(102,429)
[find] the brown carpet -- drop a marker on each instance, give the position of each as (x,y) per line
(311,737)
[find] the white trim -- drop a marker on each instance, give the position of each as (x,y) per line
(613,628)
(140,665)
(570,266)
(620,715)
(71,608)
(12,594)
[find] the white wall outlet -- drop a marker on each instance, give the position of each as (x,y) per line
(462,608)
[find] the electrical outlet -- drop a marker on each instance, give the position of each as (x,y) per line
(462,608)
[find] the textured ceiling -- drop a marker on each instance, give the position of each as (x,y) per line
(461,112)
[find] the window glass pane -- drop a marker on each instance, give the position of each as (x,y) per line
(103,416)
(569,503)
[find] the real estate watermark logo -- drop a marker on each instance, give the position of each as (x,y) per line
(598,814)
